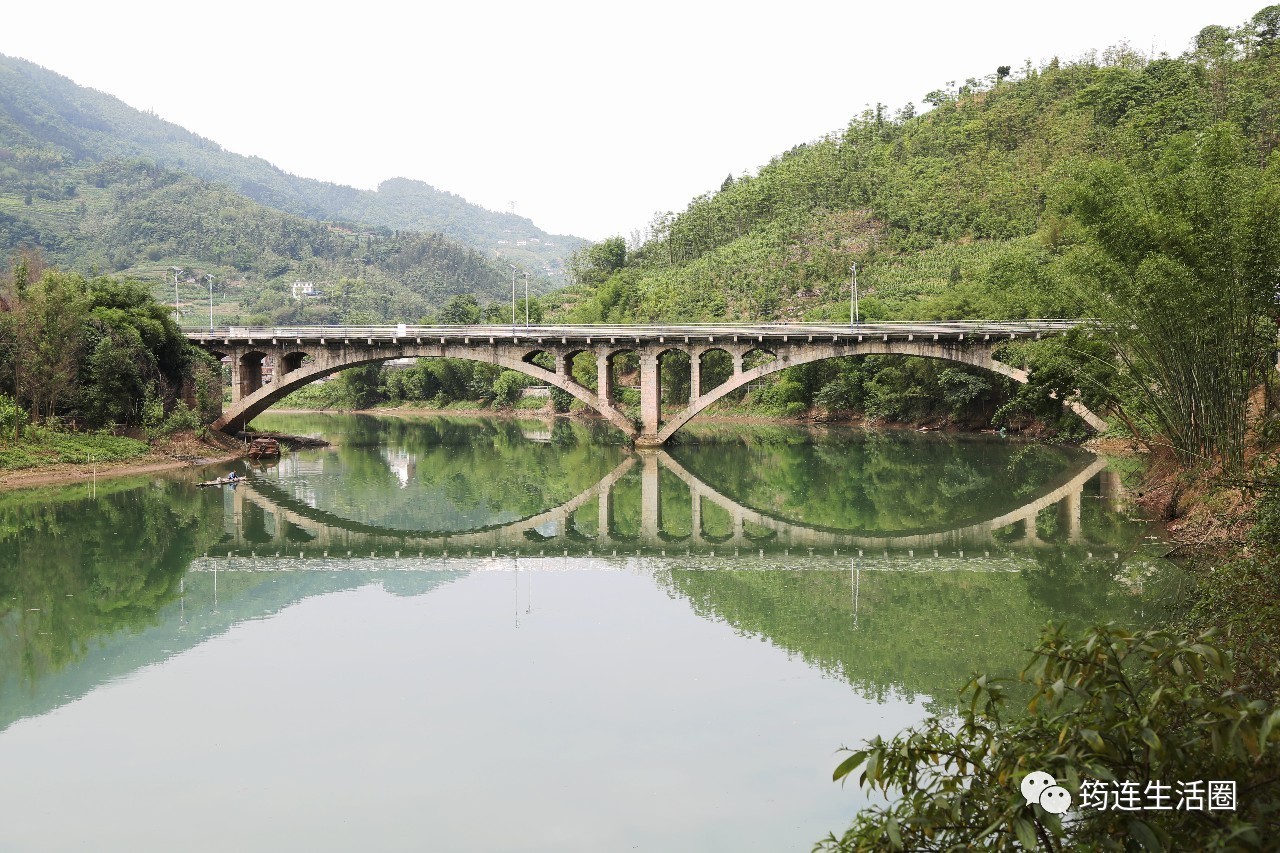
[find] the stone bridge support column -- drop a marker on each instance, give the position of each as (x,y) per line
(695,375)
(1029,536)
(1110,486)
(234,356)
(604,377)
(695,515)
(650,398)
(604,515)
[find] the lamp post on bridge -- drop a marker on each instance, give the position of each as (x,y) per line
(210,277)
(526,301)
(855,318)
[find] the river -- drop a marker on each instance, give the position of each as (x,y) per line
(470,634)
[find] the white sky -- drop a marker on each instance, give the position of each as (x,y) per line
(590,117)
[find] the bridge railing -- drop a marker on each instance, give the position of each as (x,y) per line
(506,330)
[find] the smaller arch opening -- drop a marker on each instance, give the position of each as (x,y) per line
(580,367)
(293,361)
(622,373)
(251,372)
(541,358)
(674,376)
(715,367)
(756,357)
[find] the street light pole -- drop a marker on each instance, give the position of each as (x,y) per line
(210,277)
(526,300)
(855,318)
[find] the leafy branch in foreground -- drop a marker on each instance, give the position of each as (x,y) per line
(1109,706)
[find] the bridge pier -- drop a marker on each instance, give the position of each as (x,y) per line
(650,400)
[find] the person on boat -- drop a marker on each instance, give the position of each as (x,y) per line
(232,477)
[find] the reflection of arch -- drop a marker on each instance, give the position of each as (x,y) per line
(557,524)
(289,511)
(807,535)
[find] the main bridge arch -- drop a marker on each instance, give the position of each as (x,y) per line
(305,354)
(254,398)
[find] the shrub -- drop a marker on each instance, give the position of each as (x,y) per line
(1107,707)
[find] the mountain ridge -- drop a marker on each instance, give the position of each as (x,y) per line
(64,121)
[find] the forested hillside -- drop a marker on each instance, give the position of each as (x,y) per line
(46,112)
(104,188)
(985,207)
(946,213)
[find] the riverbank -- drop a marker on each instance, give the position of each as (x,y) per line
(733,416)
(180,450)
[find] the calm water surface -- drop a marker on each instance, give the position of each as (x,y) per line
(509,635)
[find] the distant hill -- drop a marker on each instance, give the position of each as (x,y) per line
(54,133)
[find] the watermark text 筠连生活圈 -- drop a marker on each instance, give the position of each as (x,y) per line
(1198,795)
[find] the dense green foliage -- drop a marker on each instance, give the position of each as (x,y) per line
(65,580)
(96,354)
(49,126)
(1185,254)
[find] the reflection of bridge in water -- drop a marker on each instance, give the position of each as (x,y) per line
(292,529)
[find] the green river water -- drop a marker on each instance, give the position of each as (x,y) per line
(451,634)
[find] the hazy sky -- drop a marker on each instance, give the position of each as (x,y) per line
(589,117)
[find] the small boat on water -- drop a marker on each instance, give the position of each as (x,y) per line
(264,448)
(222,481)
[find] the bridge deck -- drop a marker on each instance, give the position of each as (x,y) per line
(644,334)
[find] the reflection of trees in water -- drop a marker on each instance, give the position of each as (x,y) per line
(917,634)
(75,569)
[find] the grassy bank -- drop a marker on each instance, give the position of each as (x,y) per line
(45,456)
(40,447)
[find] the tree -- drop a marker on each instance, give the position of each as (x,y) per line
(1180,266)
(49,340)
(463,310)
(363,384)
(598,261)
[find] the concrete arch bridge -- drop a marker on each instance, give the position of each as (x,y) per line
(303,354)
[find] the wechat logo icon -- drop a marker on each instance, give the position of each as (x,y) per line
(1041,788)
